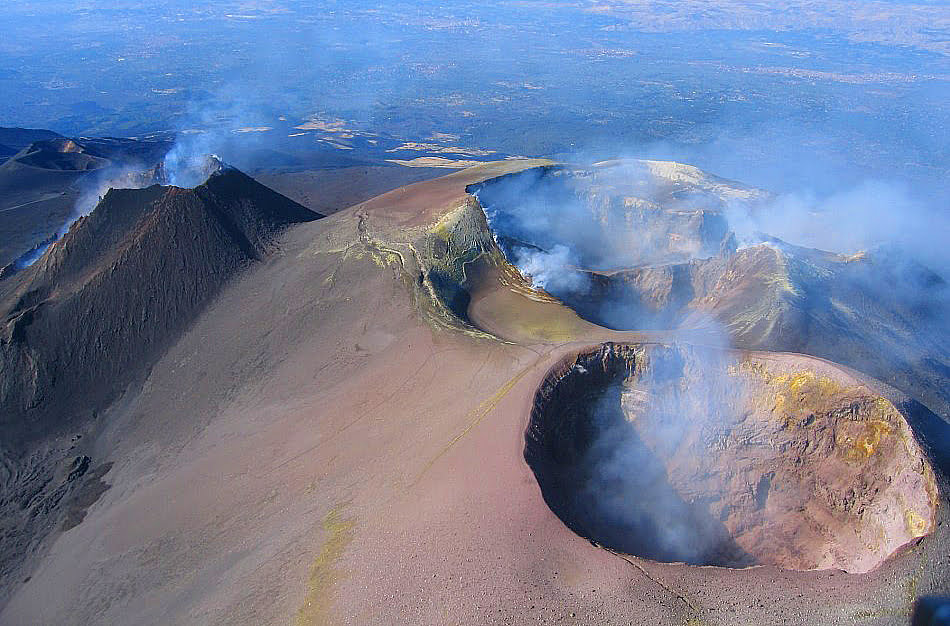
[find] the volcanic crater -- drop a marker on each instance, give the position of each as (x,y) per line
(658,446)
(659,443)
(706,456)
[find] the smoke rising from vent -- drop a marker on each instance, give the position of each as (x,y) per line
(638,430)
(606,219)
(665,246)
(184,165)
(552,270)
(189,162)
(869,215)
(679,452)
(215,125)
(92,188)
(211,126)
(637,236)
(577,233)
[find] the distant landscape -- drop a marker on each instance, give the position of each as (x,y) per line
(782,96)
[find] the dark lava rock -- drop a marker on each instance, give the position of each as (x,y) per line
(108,298)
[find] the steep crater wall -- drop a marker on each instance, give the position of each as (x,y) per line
(679,453)
(455,256)
(645,245)
(619,243)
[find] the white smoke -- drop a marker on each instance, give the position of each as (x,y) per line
(552,270)
(186,165)
(190,161)
(861,217)
(645,490)
(92,189)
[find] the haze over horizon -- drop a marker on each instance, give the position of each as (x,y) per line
(814,96)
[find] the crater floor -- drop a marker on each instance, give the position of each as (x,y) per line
(710,457)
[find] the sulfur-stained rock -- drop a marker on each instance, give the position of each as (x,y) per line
(693,454)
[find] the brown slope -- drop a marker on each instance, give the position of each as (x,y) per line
(90,317)
(92,313)
(312,448)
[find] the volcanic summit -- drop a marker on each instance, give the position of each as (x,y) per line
(227,410)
